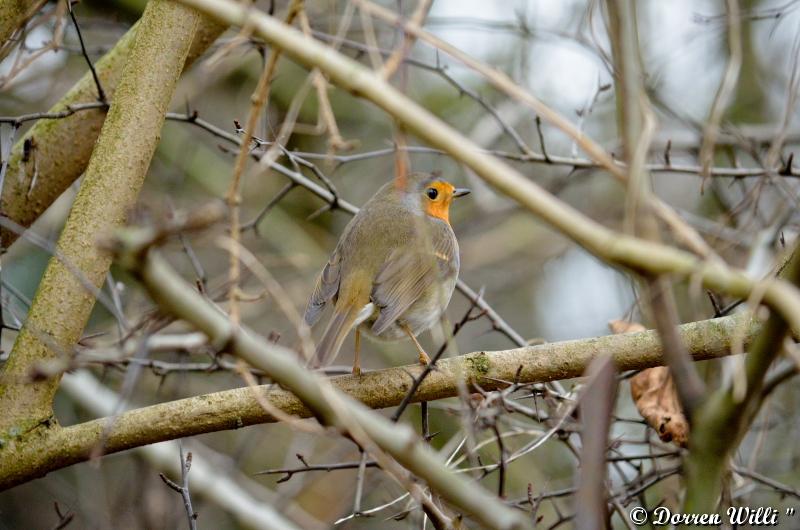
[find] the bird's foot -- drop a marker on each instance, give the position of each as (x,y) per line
(424,360)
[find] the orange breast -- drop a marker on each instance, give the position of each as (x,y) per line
(439,209)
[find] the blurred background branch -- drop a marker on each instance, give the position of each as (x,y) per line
(205,478)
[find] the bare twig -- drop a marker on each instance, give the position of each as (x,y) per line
(726,87)
(64,519)
(233,196)
(430,367)
(183,487)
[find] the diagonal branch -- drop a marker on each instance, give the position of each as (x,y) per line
(611,246)
(330,406)
(726,89)
(502,82)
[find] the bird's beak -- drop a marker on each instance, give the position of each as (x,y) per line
(460,192)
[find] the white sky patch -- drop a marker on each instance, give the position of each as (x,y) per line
(561,71)
(33,82)
(479,42)
(564,76)
(576,295)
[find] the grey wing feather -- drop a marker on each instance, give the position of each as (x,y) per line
(399,284)
(326,288)
(406,276)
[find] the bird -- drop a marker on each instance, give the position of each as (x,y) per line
(393,270)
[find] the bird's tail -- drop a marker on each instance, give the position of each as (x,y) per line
(342,321)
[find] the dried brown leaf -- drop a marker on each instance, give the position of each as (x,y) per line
(653,391)
(655,396)
(618,327)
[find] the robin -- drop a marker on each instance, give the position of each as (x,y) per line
(394,269)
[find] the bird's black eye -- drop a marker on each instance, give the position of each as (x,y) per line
(432,193)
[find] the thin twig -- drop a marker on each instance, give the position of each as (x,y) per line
(183,488)
(101,94)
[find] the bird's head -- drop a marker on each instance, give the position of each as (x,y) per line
(432,193)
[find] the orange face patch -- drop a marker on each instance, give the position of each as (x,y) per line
(437,204)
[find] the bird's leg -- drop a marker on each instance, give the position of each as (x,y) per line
(423,357)
(357,356)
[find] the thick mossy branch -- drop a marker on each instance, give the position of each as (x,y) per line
(59,149)
(109,190)
(232,409)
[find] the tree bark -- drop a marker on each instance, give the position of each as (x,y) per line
(58,150)
(13,14)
